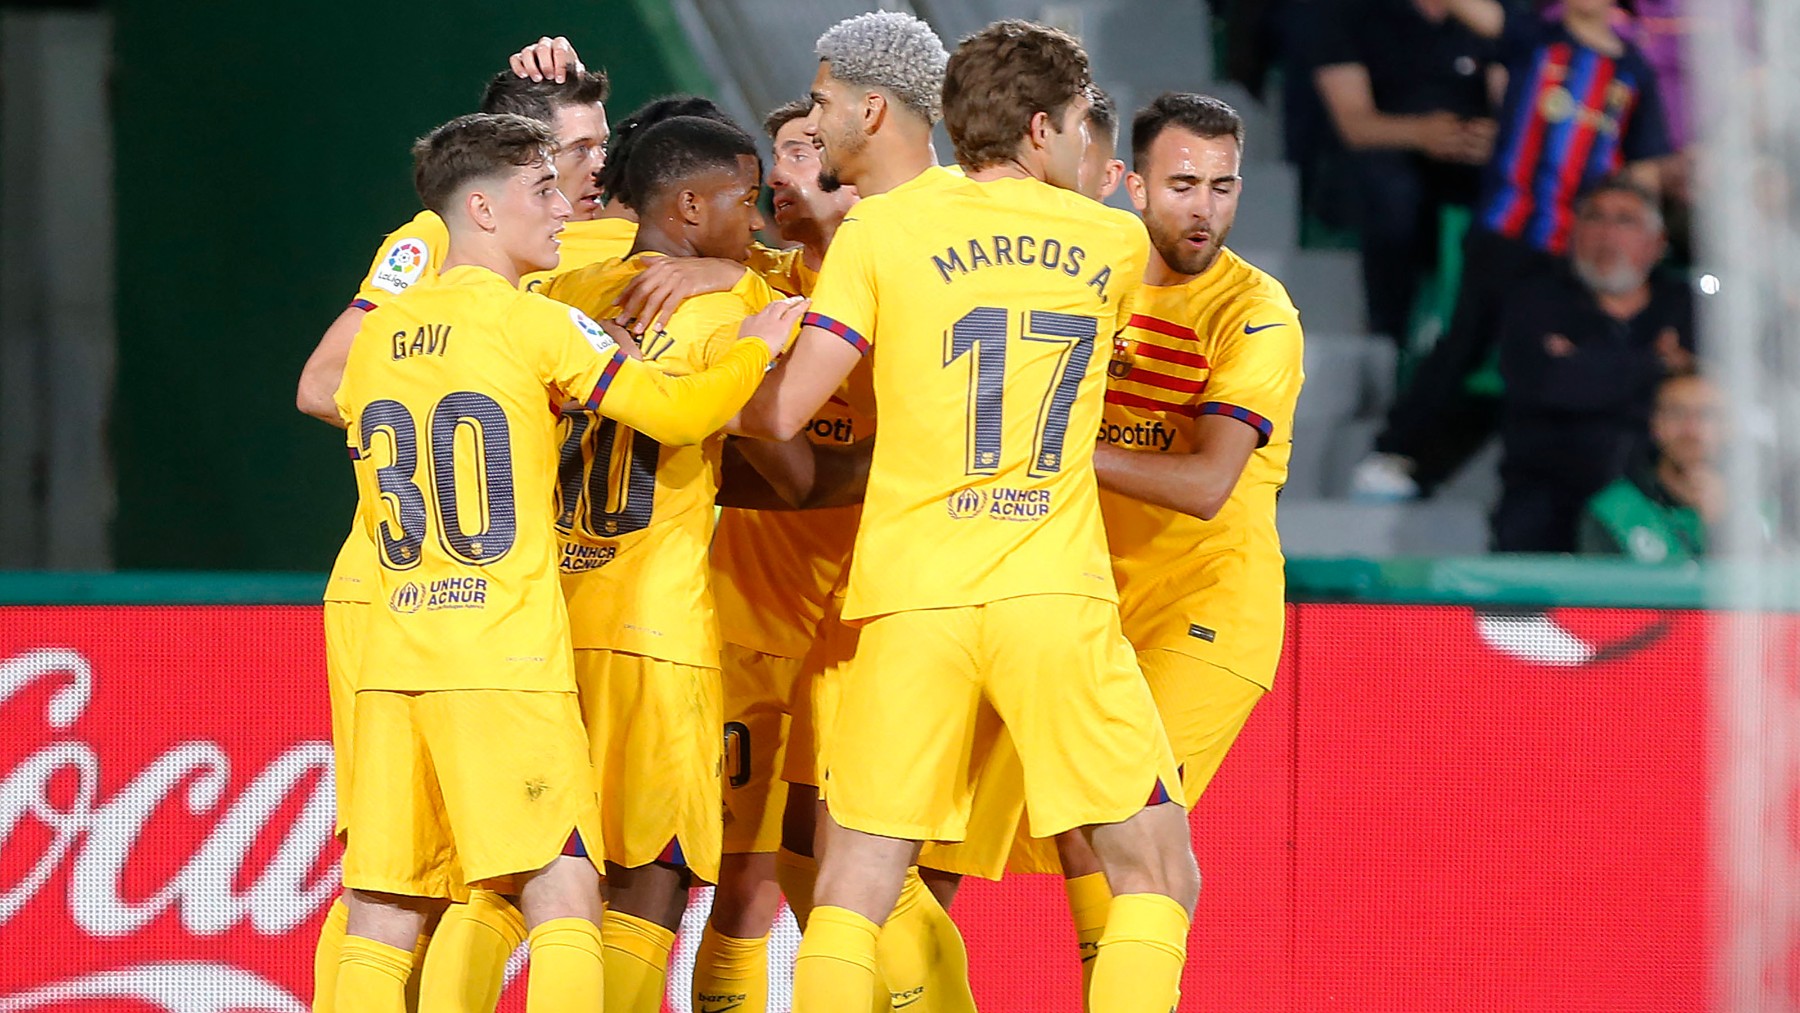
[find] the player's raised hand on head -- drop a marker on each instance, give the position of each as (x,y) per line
(547,58)
(651,298)
(776,324)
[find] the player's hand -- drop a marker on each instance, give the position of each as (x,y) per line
(651,298)
(622,338)
(547,58)
(776,324)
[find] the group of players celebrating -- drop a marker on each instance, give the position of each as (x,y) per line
(981,641)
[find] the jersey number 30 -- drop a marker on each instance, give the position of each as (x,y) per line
(982,335)
(474,420)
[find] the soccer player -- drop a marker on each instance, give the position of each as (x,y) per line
(980,575)
(637,520)
(773,574)
(571,98)
(1101,170)
(471,764)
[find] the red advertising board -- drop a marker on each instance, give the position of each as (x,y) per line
(1436,809)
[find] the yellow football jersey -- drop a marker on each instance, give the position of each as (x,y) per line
(595,241)
(1226,343)
(636,517)
(450,400)
(775,569)
(989,306)
(410,255)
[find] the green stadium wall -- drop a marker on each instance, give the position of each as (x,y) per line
(262,155)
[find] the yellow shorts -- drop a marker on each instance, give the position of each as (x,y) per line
(1203,708)
(758,693)
(656,733)
(343,635)
(457,788)
(815,696)
(912,728)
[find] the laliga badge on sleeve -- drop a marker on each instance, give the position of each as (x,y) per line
(404,263)
(602,341)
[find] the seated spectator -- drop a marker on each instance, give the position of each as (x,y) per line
(1582,351)
(1581,106)
(1406,86)
(1660,510)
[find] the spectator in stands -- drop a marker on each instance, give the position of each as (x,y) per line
(1581,105)
(1407,87)
(1660,510)
(1582,351)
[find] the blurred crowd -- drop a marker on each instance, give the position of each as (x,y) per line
(1516,175)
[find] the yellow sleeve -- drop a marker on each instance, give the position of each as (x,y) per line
(844,298)
(583,363)
(410,253)
(1256,367)
(680,410)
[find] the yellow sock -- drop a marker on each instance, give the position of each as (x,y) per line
(1138,969)
(566,967)
(371,976)
(920,954)
(797,873)
(834,971)
(325,956)
(1089,899)
(637,963)
(465,969)
(731,973)
(417,974)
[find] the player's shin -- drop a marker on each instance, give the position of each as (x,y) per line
(566,967)
(325,956)
(637,963)
(834,972)
(371,976)
(731,973)
(465,968)
(920,954)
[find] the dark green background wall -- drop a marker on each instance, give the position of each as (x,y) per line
(262,155)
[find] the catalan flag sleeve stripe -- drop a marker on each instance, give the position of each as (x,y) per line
(606,379)
(857,341)
(1264,428)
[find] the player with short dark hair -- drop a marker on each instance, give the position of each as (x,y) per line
(636,521)
(466,690)
(773,576)
(1101,170)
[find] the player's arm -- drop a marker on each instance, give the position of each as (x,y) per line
(651,297)
(797,388)
(794,474)
(684,410)
(834,339)
(324,369)
(1255,380)
(1196,483)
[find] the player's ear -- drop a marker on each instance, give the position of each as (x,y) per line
(687,205)
(480,208)
(1134,185)
(1038,132)
(1115,173)
(874,111)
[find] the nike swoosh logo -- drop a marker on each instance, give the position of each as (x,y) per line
(909,1002)
(1252,330)
(720,1009)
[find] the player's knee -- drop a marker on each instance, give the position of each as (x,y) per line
(747,898)
(569,887)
